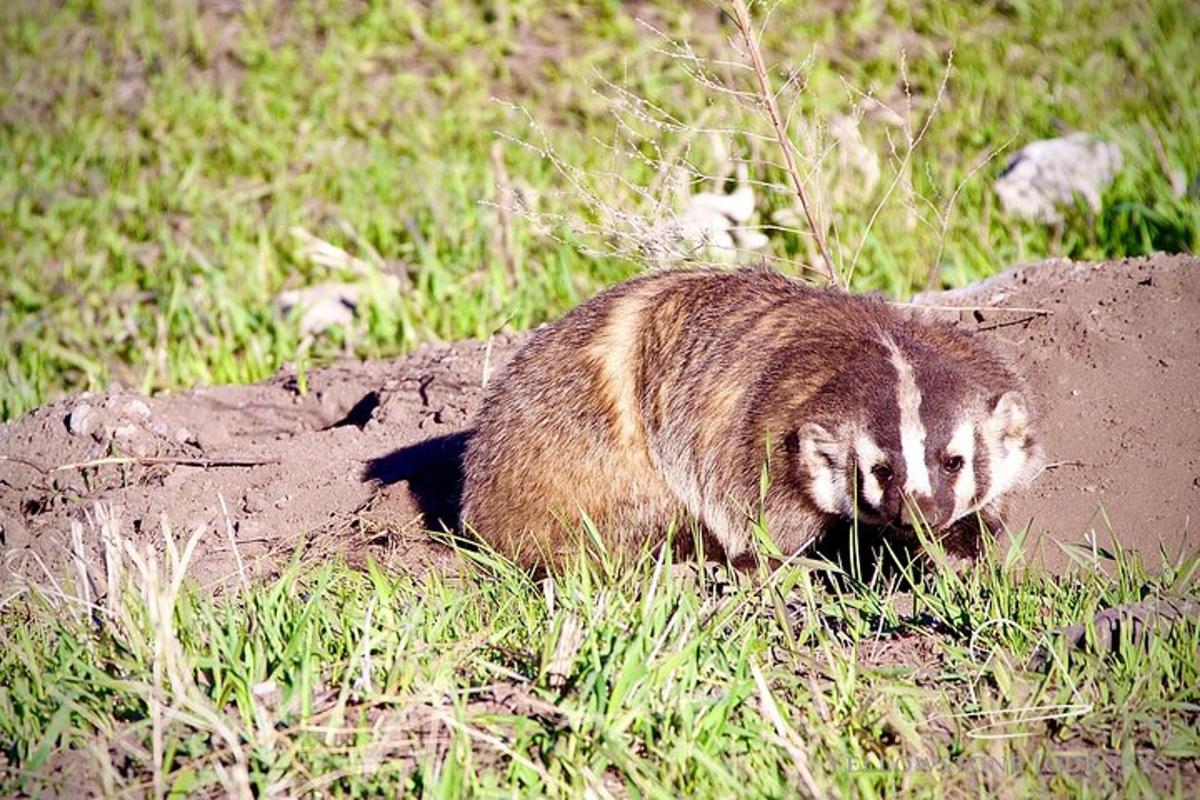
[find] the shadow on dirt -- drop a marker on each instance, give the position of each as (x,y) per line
(433,470)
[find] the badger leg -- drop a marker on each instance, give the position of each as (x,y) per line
(792,526)
(536,518)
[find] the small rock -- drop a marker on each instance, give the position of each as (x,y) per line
(137,408)
(212,436)
(1046,174)
(253,503)
(321,307)
(184,436)
(83,420)
(126,431)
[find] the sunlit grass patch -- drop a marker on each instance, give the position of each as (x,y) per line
(658,679)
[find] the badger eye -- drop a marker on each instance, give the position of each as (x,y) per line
(952,464)
(882,472)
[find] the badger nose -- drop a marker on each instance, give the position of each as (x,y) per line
(919,510)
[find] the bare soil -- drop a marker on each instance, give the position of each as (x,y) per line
(367,458)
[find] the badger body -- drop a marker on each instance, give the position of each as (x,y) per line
(658,403)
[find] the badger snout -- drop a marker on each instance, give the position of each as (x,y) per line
(924,511)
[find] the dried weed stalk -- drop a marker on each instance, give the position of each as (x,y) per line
(741,180)
(741,16)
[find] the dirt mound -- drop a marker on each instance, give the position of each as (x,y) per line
(368,455)
(268,467)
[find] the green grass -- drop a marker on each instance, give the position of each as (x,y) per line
(155,156)
(673,683)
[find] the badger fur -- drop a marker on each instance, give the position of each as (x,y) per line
(658,403)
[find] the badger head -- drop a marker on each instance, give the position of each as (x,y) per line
(934,443)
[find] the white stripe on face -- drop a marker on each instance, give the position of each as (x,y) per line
(869,455)
(912,431)
(962,444)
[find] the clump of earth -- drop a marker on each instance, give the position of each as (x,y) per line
(366,461)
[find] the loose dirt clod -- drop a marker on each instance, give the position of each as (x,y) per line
(369,457)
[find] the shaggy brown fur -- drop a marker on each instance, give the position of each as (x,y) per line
(659,401)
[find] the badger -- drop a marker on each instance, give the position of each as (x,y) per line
(734,399)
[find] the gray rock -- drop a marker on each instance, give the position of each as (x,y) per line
(321,307)
(82,420)
(1045,175)
(137,408)
(126,431)
(212,436)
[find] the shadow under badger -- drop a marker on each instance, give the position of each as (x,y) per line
(659,401)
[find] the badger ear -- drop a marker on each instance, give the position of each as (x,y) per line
(1010,415)
(817,446)
(821,460)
